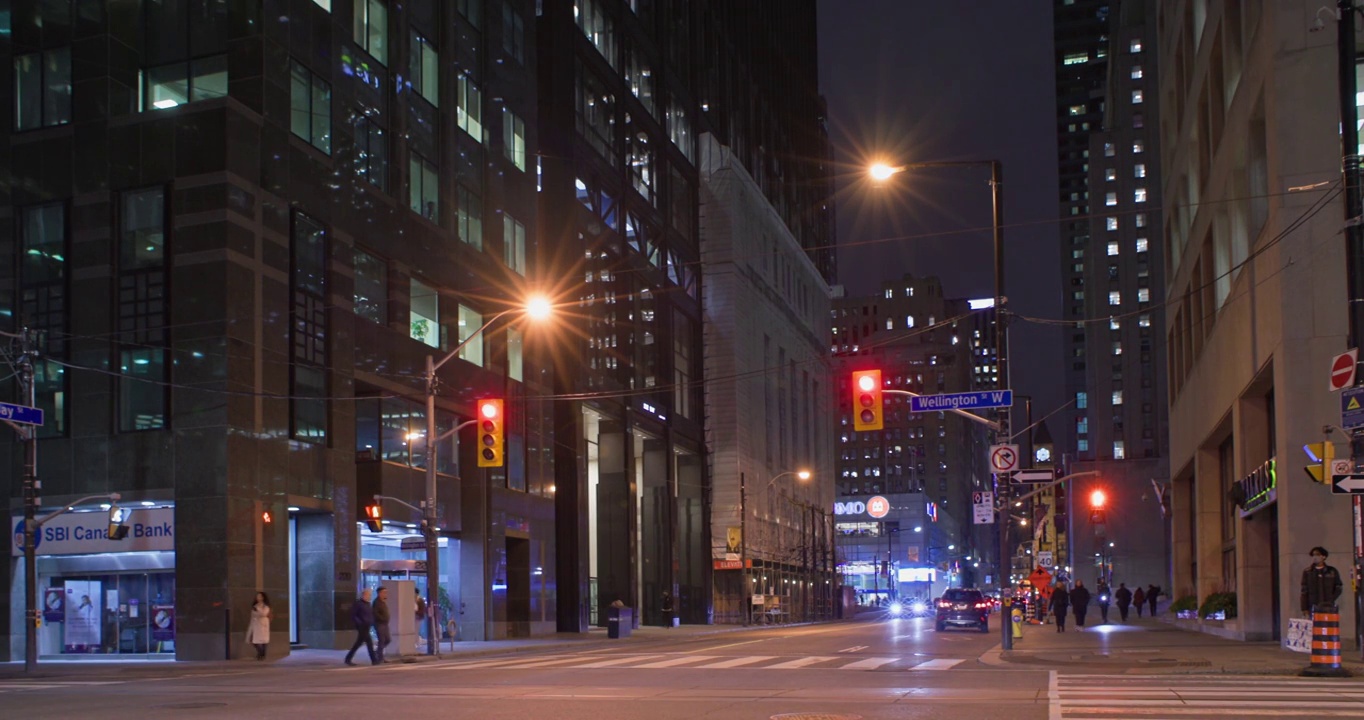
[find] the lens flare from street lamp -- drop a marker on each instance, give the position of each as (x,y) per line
(803,474)
(880,172)
(539,308)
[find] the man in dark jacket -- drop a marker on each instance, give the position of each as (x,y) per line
(1105,596)
(363,617)
(1060,603)
(1079,602)
(1152,595)
(1124,598)
(1320,584)
(381,618)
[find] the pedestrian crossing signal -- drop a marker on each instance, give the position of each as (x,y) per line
(491,433)
(1321,454)
(374,517)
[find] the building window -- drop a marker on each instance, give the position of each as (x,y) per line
(1135,46)
(469,217)
(371,151)
(471,10)
(1138,147)
(596,25)
(324,4)
(1075,58)
(1117,397)
(1143,295)
(596,113)
(1109,149)
(371,287)
(1111,199)
(1081,400)
(1141,220)
(423,188)
(513,35)
(679,128)
(1110,223)
(1114,297)
(515,355)
(514,244)
(1136,72)
(469,107)
(309,329)
(1139,170)
(424,325)
(1139,195)
(1143,245)
(1117,347)
(42,89)
(1113,248)
(1110,174)
(470,323)
(310,100)
(1114,323)
(1144,320)
(1119,451)
(175,84)
(142,389)
(42,278)
(514,139)
(423,69)
(890,324)
(1137,97)
(371,28)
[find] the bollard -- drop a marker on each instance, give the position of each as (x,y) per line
(1325,645)
(1016,618)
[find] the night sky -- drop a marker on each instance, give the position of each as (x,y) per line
(928,81)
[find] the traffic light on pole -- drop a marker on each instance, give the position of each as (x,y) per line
(1098,504)
(374,516)
(866,391)
(1321,454)
(491,432)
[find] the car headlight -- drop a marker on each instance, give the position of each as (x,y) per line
(896,608)
(919,607)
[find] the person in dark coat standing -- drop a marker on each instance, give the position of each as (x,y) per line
(1079,603)
(1321,584)
(381,618)
(1139,600)
(668,610)
(1104,595)
(1124,598)
(1152,595)
(362,614)
(1060,605)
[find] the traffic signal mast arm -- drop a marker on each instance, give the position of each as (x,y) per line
(988,423)
(38,523)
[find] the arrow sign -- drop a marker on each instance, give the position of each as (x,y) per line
(1003,458)
(1035,476)
(1347,484)
(1343,369)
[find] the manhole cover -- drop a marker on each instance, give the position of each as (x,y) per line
(815,716)
(192,705)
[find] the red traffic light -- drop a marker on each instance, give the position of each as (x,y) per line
(1097,499)
(867,401)
(491,432)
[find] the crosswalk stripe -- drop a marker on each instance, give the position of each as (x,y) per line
(618,661)
(939,664)
(869,663)
(673,662)
(799,663)
(1112,697)
(506,662)
(542,663)
(735,662)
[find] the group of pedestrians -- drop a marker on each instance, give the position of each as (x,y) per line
(367,617)
(1076,600)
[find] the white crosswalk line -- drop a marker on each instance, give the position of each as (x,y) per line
(799,662)
(618,661)
(674,662)
(1089,697)
(939,664)
(869,663)
(543,663)
(736,662)
(505,662)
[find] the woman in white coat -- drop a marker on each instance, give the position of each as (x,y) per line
(258,633)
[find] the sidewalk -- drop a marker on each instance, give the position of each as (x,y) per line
(1149,646)
(595,638)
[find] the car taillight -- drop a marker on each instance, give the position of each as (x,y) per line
(944,604)
(982,605)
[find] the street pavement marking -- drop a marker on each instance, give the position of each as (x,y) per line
(799,662)
(939,664)
(1111,697)
(853,649)
(735,662)
(528,664)
(618,661)
(869,663)
(677,661)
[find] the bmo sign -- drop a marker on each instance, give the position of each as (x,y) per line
(876,506)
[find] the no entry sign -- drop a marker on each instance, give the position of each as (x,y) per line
(1343,369)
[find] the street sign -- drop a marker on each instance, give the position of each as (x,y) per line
(1352,408)
(21,414)
(983,505)
(408,544)
(1003,458)
(1044,558)
(962,401)
(1347,484)
(1343,466)
(1035,476)
(1343,369)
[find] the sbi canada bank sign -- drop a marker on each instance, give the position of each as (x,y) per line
(86,533)
(876,506)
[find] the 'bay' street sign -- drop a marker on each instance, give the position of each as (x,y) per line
(1347,484)
(962,401)
(1034,476)
(21,414)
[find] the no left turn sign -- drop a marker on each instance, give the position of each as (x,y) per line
(1003,458)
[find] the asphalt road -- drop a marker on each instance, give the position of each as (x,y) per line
(876,669)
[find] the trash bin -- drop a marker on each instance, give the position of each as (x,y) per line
(619,621)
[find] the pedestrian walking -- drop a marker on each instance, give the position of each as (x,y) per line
(1060,604)
(420,615)
(1079,603)
(381,618)
(1152,594)
(258,632)
(1105,596)
(1320,584)
(667,610)
(1124,598)
(362,615)
(1139,600)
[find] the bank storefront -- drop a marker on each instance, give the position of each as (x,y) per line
(100,597)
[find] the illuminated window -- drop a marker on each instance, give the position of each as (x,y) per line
(1075,58)
(1119,451)
(1117,397)
(1113,248)
(371,28)
(1143,245)
(1143,295)
(1139,195)
(1136,97)
(1110,223)
(1135,47)
(1139,170)
(1136,72)
(1115,297)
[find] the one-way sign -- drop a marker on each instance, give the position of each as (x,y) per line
(1347,484)
(1034,476)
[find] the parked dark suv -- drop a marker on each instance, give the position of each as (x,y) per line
(963,606)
